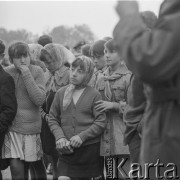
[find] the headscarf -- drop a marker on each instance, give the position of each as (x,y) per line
(35,51)
(89,69)
(61,55)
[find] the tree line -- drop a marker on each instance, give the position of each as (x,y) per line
(65,35)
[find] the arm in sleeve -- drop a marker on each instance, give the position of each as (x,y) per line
(8,103)
(35,88)
(54,120)
(98,126)
(152,55)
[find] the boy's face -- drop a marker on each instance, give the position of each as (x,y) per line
(99,62)
(22,60)
(77,75)
(112,58)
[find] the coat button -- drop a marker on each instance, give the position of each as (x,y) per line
(107,141)
(107,150)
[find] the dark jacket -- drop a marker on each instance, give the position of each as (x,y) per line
(155,58)
(8,103)
(134,111)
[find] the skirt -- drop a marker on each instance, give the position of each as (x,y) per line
(24,147)
(85,162)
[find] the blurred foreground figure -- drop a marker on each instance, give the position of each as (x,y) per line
(136,103)
(154,58)
(8,106)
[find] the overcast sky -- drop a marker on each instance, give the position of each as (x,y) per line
(38,16)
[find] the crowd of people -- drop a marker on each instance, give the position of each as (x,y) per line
(67,112)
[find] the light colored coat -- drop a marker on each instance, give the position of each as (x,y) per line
(112,139)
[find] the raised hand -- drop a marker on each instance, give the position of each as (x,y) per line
(23,68)
(124,8)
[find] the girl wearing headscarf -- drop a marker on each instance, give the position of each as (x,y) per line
(77,125)
(54,56)
(113,88)
(35,52)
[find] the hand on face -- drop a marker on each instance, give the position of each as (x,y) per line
(23,68)
(103,105)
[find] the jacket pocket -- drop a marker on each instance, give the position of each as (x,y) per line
(119,93)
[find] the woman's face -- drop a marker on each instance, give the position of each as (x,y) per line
(77,75)
(112,58)
(22,60)
(50,64)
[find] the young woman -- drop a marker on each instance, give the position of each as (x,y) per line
(54,56)
(77,125)
(113,88)
(22,143)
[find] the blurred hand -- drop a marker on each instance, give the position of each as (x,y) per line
(75,141)
(103,105)
(125,8)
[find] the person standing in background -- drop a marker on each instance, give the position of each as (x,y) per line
(97,55)
(45,39)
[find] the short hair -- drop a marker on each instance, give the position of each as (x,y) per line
(45,39)
(110,45)
(18,49)
(86,50)
(2,47)
(79,44)
(97,49)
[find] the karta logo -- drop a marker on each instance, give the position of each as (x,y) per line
(120,168)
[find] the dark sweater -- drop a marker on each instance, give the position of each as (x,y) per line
(81,119)
(8,103)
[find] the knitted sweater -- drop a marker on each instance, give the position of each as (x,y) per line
(81,119)
(30,94)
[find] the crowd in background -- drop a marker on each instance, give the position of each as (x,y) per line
(68,111)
